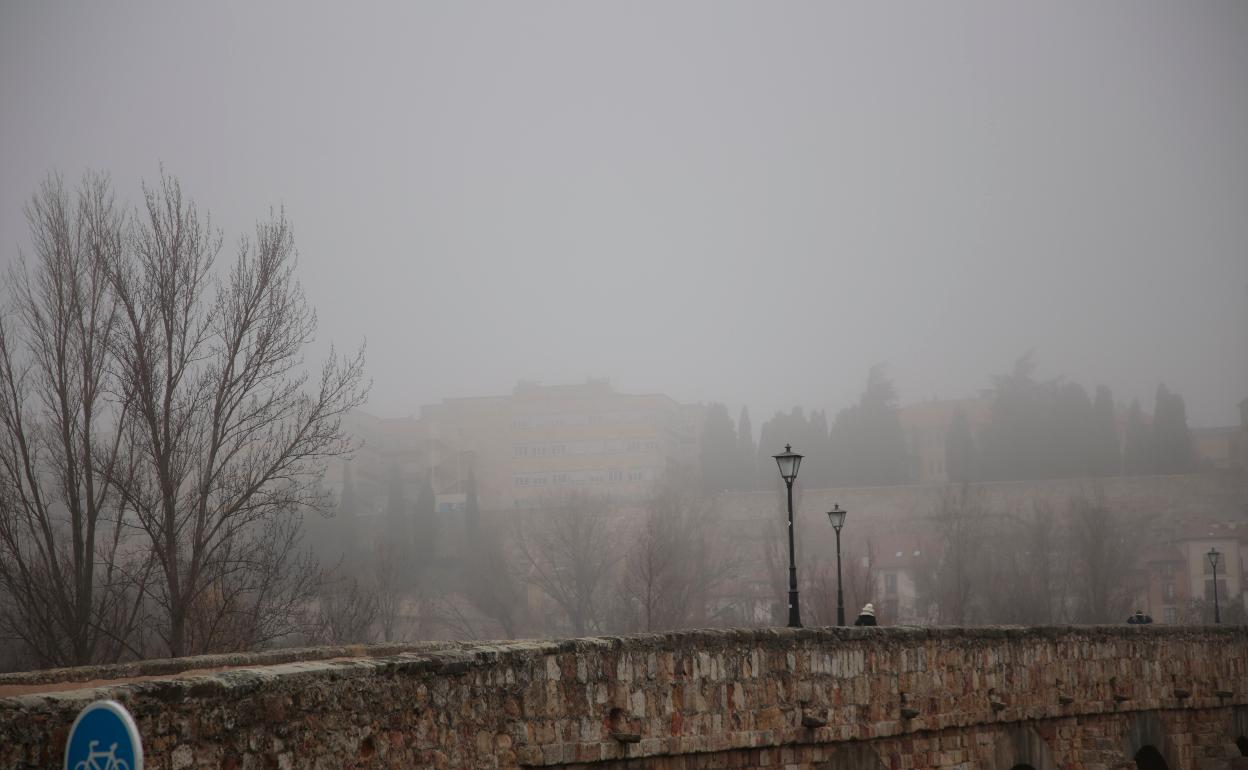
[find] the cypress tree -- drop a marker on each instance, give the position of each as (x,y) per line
(1172,442)
(746,450)
(1106,448)
(1138,455)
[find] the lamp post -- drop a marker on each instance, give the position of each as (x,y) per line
(789,461)
(1213,562)
(837,517)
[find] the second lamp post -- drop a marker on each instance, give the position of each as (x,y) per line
(1213,562)
(789,461)
(837,517)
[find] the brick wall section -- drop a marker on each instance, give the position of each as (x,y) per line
(737,698)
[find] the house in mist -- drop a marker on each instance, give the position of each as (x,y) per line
(541,441)
(1225,448)
(926,426)
(1177,582)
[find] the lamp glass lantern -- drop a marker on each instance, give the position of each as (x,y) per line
(788,461)
(1214,556)
(837,517)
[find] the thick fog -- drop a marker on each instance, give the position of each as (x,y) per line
(738,202)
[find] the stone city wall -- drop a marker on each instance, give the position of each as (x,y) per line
(908,697)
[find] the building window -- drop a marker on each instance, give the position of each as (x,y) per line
(890,583)
(615,475)
(1170,615)
(635,476)
(1167,592)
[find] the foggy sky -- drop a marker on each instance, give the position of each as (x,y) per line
(743,202)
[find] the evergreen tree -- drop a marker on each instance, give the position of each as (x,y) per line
(1138,455)
(485,572)
(472,510)
(818,446)
(398,517)
(960,449)
(1106,449)
(719,459)
(746,450)
(1073,439)
(425,524)
(866,441)
(1034,430)
(1172,441)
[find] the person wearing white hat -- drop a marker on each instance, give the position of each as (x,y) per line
(867,616)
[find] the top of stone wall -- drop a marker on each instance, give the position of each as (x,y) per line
(457,654)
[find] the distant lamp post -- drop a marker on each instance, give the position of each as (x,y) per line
(837,517)
(1213,562)
(789,461)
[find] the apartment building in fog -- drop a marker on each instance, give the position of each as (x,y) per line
(524,449)
(544,441)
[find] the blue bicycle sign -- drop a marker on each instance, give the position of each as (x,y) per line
(104,737)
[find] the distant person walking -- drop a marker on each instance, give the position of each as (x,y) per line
(867,616)
(1140,619)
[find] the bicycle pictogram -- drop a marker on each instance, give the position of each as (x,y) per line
(102,760)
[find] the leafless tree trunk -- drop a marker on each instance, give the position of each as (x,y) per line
(346,612)
(675,562)
(859,586)
(1103,551)
(69,585)
(390,588)
(224,438)
(961,521)
(1021,550)
(568,552)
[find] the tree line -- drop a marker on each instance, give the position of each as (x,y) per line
(576,565)
(1036,429)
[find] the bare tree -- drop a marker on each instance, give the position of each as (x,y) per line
(69,588)
(859,585)
(263,595)
(1021,555)
(224,437)
(675,562)
(1103,553)
(961,520)
(391,587)
(346,612)
(569,553)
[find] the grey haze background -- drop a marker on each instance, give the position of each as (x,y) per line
(743,202)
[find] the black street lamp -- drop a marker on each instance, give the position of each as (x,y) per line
(1213,562)
(789,461)
(837,517)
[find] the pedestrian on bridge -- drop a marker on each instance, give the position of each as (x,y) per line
(867,616)
(1140,619)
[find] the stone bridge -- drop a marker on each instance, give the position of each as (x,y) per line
(869,699)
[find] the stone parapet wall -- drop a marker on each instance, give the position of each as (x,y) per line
(655,698)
